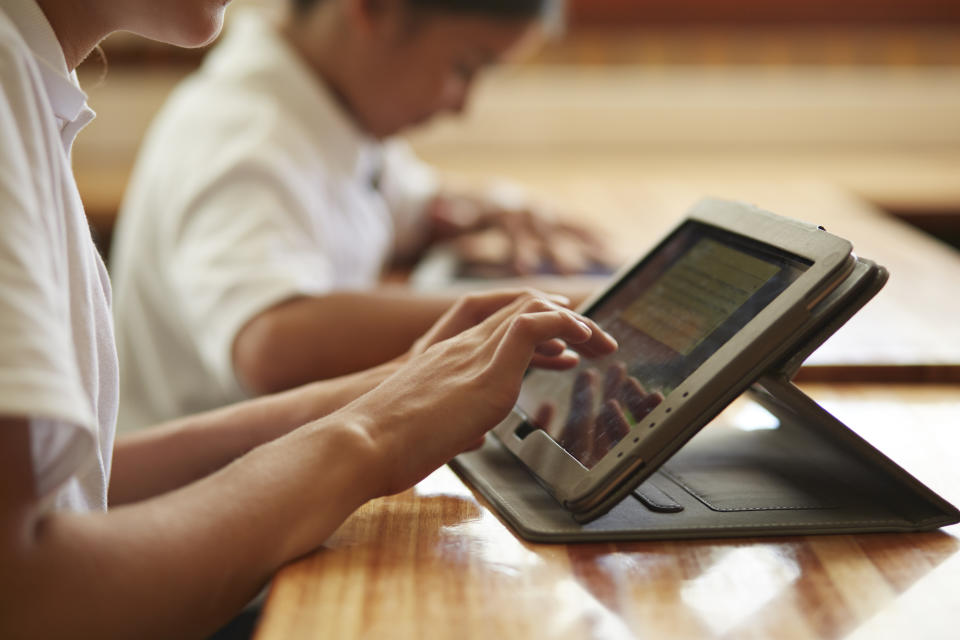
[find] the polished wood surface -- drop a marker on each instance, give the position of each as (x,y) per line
(436,562)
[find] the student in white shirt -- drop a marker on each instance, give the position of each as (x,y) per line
(270,195)
(169,532)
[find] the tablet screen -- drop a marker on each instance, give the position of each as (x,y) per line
(670,314)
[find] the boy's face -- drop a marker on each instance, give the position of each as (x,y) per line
(428,66)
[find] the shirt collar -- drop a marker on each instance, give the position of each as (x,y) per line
(68,101)
(253,51)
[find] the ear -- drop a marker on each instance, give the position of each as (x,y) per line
(378,18)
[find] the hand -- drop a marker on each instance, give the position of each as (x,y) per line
(516,240)
(589,435)
(449,394)
(473,308)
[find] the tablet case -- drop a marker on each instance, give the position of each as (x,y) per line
(804,473)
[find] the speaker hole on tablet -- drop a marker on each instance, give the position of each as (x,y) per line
(636,440)
(523,430)
(686,393)
(620,455)
(653,424)
(669,409)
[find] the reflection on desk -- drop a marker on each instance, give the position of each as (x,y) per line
(436,562)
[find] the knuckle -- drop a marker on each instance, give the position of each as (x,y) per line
(521,324)
(469,305)
(469,299)
(536,304)
(529,293)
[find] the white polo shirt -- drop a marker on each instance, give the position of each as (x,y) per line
(252,187)
(58,364)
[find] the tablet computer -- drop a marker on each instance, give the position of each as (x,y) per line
(725,295)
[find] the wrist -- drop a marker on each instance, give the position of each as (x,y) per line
(350,434)
(334,468)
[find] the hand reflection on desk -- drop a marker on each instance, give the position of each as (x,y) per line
(589,433)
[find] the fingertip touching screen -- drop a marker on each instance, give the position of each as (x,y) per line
(673,311)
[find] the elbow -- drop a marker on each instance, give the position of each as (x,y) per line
(257,356)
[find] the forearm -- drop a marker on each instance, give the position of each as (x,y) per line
(316,338)
(182,564)
(156,460)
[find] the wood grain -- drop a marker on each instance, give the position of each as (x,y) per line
(436,562)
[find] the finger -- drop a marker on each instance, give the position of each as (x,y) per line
(450,216)
(615,377)
(527,255)
(514,332)
(609,428)
(473,446)
(482,248)
(474,308)
(583,397)
(509,347)
(588,453)
(527,301)
(632,394)
(567,254)
(551,347)
(544,416)
(587,237)
(518,336)
(579,429)
(566,360)
(645,406)
(612,422)
(600,342)
(506,302)
(597,343)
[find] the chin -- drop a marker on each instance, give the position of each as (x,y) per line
(194,29)
(204,30)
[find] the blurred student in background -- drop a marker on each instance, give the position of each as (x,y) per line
(271,194)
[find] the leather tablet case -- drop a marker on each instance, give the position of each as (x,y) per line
(803,473)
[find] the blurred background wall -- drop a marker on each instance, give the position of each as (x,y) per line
(863,94)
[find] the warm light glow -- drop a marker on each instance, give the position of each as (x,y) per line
(750,416)
(739,585)
(578,608)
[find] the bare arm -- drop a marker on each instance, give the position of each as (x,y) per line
(179,565)
(182,563)
(152,461)
(315,338)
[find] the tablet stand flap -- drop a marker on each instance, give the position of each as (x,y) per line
(885,480)
(803,473)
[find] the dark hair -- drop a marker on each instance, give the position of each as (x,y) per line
(496,8)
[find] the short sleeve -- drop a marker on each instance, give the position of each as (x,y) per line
(246,243)
(407,185)
(39,372)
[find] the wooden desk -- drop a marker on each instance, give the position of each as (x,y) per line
(435,562)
